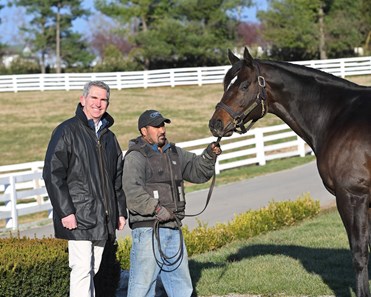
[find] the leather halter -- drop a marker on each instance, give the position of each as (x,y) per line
(240,118)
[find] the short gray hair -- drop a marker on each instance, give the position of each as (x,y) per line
(96,83)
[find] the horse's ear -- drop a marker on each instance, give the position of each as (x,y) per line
(247,57)
(232,58)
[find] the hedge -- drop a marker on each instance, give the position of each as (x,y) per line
(39,267)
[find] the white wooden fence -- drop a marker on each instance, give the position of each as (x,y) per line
(22,190)
(164,77)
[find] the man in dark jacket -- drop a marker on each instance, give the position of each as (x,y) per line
(83,177)
(154,170)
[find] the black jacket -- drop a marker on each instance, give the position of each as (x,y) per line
(83,176)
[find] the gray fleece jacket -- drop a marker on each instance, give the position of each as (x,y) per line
(141,205)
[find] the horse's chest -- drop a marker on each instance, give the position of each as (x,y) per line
(346,166)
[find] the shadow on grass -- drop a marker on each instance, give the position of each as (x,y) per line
(334,266)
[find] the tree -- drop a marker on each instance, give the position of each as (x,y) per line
(106,35)
(50,27)
(2,46)
(113,61)
(66,12)
(1,7)
(250,34)
(40,29)
(309,29)
(176,33)
(344,28)
(74,53)
(288,25)
(210,28)
(135,16)
(366,20)
(101,39)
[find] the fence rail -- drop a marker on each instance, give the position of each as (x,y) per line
(22,189)
(164,77)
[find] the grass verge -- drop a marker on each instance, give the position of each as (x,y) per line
(309,259)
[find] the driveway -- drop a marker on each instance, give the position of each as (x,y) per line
(235,198)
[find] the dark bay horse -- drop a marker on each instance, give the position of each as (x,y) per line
(331,114)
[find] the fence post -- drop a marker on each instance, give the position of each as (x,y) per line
(217,166)
(145,79)
(8,204)
(172,78)
(15,86)
(67,81)
(259,140)
(42,82)
(36,185)
(301,146)
(118,80)
(342,69)
(50,213)
(12,204)
(199,76)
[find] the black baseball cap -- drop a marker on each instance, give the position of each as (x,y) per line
(151,118)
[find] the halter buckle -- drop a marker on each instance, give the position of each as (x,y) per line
(261,81)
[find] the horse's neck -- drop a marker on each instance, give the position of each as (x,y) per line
(296,99)
(297,124)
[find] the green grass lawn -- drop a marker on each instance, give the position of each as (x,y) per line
(30,117)
(309,259)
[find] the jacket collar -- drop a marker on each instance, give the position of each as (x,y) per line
(139,140)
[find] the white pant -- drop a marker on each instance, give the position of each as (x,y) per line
(84,260)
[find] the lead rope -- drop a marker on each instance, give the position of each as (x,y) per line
(165,260)
(176,259)
(210,189)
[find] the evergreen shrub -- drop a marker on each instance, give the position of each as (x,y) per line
(33,267)
(203,238)
(24,66)
(39,267)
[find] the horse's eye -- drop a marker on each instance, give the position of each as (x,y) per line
(244,86)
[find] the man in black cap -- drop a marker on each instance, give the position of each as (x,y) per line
(154,173)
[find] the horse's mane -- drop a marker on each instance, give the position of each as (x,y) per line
(318,75)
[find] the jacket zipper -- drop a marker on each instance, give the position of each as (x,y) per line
(174,188)
(101,167)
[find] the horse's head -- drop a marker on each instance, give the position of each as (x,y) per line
(244,98)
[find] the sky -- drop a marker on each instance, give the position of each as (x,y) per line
(12,18)
(249,14)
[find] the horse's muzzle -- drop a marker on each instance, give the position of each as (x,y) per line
(218,129)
